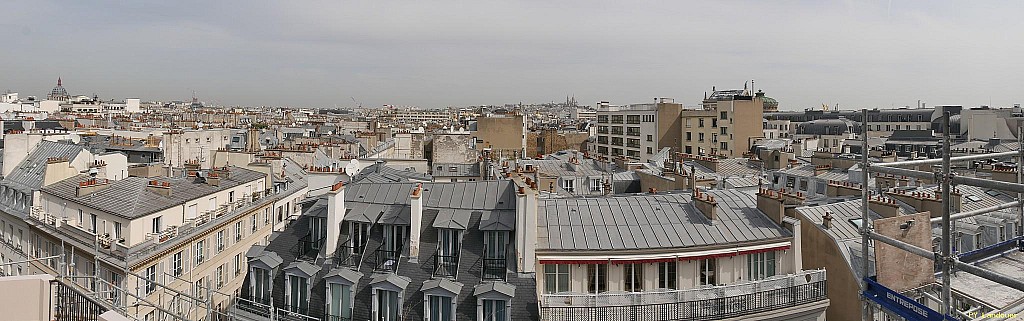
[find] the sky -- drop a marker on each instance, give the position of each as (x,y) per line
(431,54)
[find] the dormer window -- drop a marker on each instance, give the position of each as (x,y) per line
(298,293)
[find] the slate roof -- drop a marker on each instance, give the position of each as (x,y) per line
(27,177)
(667,220)
(130,198)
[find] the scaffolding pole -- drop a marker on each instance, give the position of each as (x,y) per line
(903,246)
(865,228)
(963,215)
(946,208)
(932,161)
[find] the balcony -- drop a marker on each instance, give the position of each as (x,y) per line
(308,248)
(445,265)
(708,303)
(494,269)
(348,255)
(387,260)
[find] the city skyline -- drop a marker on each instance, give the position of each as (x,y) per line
(860,54)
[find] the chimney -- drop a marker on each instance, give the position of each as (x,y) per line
(821,169)
(213,178)
(705,204)
(416,222)
(826,220)
(91,185)
(884,206)
(162,188)
(772,204)
(335,215)
(526,227)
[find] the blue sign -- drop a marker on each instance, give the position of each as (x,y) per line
(897,303)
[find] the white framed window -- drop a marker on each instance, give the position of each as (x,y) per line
(494,310)
(200,252)
(339,301)
(297,289)
(597,278)
(260,285)
(387,305)
(595,184)
(255,223)
(569,184)
(238,264)
(667,275)
(220,241)
(706,272)
(150,278)
(633,277)
(556,278)
(439,308)
(238,231)
(760,265)
(176,264)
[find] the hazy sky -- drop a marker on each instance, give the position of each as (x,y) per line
(436,54)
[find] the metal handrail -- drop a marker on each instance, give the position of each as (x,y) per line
(445,265)
(387,260)
(348,255)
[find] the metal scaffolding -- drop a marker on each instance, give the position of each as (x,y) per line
(947,180)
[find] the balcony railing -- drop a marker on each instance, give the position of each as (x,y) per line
(337,318)
(495,269)
(348,255)
(446,265)
(308,248)
(387,260)
(709,303)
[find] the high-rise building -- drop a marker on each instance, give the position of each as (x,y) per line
(638,131)
(726,125)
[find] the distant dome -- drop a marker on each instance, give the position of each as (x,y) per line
(58,93)
(770,103)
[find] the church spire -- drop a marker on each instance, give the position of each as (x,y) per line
(58,81)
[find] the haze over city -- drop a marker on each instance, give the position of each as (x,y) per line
(434,54)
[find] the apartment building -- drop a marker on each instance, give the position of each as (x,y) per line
(712,255)
(726,126)
(165,244)
(400,251)
(883,121)
(638,131)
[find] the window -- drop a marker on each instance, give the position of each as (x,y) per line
(714,122)
(689,136)
(700,122)
(339,302)
(556,278)
(760,265)
(176,267)
(117,230)
(725,146)
(213,203)
(220,241)
(494,310)
(633,277)
(231,196)
(238,264)
(650,138)
(220,276)
(151,279)
(255,223)
(595,183)
(359,233)
(199,252)
(387,305)
(650,150)
(667,275)
(191,212)
(440,308)
(700,137)
(724,115)
(298,294)
(92,226)
(260,285)
(707,272)
(632,119)
(156,225)
(238,231)
(568,185)
(197,288)
(597,278)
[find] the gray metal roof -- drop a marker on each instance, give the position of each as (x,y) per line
(445,284)
(366,201)
(130,198)
(28,175)
(497,221)
(305,267)
(270,259)
(395,279)
(499,287)
(456,170)
(350,275)
(665,220)
(452,219)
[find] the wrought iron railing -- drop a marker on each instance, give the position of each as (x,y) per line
(387,260)
(710,303)
(72,305)
(348,254)
(308,248)
(494,269)
(336,318)
(445,265)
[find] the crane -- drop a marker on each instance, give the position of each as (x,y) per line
(356,102)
